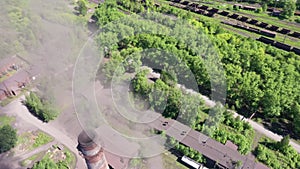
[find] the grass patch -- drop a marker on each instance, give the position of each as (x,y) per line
(70,158)
(170,161)
(56,158)
(30,140)
(32,159)
(6,120)
(137,163)
(24,138)
(42,139)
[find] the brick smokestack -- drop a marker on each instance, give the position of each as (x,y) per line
(92,152)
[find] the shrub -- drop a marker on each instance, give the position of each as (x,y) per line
(297,20)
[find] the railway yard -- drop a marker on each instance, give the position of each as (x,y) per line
(269,34)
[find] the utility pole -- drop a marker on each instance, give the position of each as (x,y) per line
(284,38)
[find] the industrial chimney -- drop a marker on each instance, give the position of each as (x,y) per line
(93,153)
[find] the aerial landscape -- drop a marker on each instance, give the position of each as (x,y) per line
(149,84)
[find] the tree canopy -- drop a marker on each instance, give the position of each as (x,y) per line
(8,138)
(43,109)
(82,7)
(289,8)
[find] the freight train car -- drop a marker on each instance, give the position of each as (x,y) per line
(295,34)
(268,33)
(266,40)
(284,31)
(296,50)
(283,46)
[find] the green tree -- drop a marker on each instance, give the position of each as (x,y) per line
(289,9)
(214,120)
(82,7)
(159,95)
(45,163)
(283,144)
(296,110)
(140,83)
(107,12)
(264,7)
(239,164)
(44,110)
(48,112)
(8,138)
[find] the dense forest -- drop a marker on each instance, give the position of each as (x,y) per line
(260,79)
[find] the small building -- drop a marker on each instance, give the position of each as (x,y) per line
(14,75)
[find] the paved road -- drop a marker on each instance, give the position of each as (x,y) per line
(258,127)
(16,108)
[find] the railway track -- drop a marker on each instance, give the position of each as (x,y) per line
(210,12)
(195,7)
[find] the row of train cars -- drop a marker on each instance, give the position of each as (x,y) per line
(210,12)
(275,12)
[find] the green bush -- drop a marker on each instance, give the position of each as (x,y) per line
(42,139)
(259,10)
(185,150)
(267,152)
(297,19)
(82,7)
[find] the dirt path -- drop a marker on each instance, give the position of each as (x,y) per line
(24,156)
(155,162)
